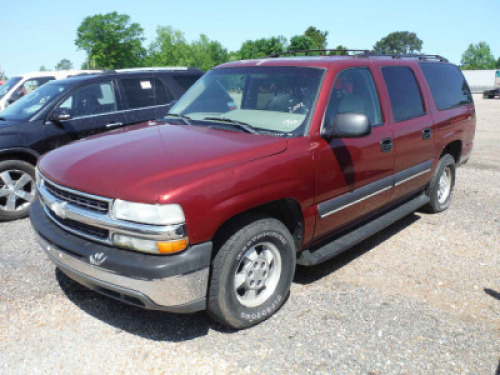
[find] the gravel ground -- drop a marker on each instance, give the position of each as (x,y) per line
(423,296)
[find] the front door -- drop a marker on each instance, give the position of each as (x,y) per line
(353,176)
(93,109)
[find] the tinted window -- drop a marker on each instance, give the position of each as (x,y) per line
(354,92)
(448,85)
(406,100)
(185,80)
(7,86)
(145,92)
(91,100)
(33,102)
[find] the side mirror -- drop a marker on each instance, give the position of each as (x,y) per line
(348,125)
(59,115)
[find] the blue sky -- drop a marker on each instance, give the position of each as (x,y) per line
(42,32)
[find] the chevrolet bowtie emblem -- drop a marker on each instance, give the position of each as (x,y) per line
(59,209)
(97,259)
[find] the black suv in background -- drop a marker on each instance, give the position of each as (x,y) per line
(66,110)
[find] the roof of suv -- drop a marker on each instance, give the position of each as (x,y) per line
(324,61)
(122,72)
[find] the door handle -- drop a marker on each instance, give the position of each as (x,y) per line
(114,124)
(426,134)
(386,144)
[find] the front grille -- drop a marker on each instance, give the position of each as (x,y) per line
(78,200)
(89,230)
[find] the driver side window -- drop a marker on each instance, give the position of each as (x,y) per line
(354,92)
(91,100)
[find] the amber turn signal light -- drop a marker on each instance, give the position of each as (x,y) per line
(172,247)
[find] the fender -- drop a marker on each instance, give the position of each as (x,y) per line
(20,150)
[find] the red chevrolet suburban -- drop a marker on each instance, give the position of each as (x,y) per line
(261,165)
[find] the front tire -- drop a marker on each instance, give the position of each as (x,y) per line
(17,189)
(441,186)
(252,273)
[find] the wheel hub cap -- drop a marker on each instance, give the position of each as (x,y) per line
(17,190)
(444,185)
(257,274)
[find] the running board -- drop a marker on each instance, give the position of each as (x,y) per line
(348,240)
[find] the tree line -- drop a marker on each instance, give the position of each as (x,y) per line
(112,41)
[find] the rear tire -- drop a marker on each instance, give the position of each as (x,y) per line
(17,189)
(251,273)
(441,186)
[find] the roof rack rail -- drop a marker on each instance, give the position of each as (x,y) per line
(409,56)
(154,68)
(295,52)
(364,53)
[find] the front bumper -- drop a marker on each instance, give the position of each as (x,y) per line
(176,283)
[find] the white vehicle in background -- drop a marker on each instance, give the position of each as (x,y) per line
(490,94)
(18,86)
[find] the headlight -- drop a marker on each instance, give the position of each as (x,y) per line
(158,214)
(150,246)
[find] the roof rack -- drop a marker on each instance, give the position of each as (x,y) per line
(364,53)
(153,69)
(150,69)
(410,56)
(295,52)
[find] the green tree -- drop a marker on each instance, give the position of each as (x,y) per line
(169,48)
(64,64)
(206,53)
(300,43)
(42,68)
(317,37)
(252,49)
(111,40)
(399,42)
(498,64)
(340,53)
(478,56)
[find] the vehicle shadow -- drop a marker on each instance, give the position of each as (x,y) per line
(152,325)
(307,275)
(497,372)
(492,293)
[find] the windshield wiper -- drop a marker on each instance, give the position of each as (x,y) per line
(182,117)
(242,125)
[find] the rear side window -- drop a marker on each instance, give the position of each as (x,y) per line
(145,92)
(448,85)
(185,80)
(404,93)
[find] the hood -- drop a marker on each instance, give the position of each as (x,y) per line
(141,163)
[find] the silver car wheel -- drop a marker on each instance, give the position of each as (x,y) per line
(257,274)
(444,185)
(17,190)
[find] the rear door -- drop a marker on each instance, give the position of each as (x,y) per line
(146,98)
(94,108)
(412,126)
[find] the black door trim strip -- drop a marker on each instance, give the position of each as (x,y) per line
(351,198)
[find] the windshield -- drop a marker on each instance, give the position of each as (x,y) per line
(28,105)
(275,100)
(7,86)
